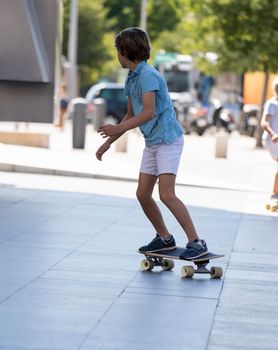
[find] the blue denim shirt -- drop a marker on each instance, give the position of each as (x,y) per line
(164,126)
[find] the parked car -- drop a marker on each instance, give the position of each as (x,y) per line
(113,94)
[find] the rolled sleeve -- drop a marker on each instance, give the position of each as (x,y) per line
(269,108)
(149,82)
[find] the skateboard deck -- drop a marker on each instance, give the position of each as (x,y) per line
(164,259)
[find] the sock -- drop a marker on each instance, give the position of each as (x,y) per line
(198,241)
(168,240)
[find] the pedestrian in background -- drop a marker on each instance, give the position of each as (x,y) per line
(270,125)
(150,108)
(63,106)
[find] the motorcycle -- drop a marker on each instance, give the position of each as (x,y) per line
(194,118)
(198,118)
(222,117)
(249,120)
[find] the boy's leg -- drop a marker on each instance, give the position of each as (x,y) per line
(175,205)
(195,247)
(144,192)
(275,186)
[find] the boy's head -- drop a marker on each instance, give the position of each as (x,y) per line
(275,86)
(134,44)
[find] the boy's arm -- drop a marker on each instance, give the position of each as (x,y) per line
(129,114)
(148,102)
(106,145)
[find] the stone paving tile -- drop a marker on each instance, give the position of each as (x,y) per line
(246,317)
(159,282)
(149,320)
(51,240)
(81,295)
(245,321)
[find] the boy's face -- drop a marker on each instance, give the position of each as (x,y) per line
(123,60)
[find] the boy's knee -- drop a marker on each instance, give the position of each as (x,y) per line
(167,197)
(142,196)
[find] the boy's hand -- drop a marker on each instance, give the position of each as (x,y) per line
(102,149)
(274,138)
(110,130)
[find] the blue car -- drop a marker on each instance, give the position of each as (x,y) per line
(113,94)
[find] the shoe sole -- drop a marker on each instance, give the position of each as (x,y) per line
(197,256)
(157,250)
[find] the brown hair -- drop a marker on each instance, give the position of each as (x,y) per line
(133,43)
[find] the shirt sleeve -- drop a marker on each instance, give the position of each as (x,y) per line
(269,108)
(149,82)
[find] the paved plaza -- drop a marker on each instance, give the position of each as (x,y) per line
(70,274)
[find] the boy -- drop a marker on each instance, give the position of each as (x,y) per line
(269,123)
(150,108)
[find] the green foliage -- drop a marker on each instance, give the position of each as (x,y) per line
(98,21)
(162,15)
(95,42)
(122,14)
(243,33)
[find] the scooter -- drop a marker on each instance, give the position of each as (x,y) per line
(249,120)
(222,117)
(198,118)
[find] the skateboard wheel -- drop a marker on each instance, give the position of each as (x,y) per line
(267,206)
(187,271)
(273,208)
(216,272)
(147,265)
(168,264)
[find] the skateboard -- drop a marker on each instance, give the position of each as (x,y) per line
(272,204)
(164,259)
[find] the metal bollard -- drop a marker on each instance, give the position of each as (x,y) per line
(221,144)
(79,121)
(121,143)
(100,112)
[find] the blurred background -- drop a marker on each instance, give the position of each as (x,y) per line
(218,58)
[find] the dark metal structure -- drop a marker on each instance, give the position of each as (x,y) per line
(30,51)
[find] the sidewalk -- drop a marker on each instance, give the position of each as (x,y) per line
(245,168)
(62,289)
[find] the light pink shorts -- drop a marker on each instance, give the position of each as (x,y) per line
(272,148)
(162,158)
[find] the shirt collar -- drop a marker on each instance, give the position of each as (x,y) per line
(137,70)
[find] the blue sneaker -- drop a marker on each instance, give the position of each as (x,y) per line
(158,244)
(194,250)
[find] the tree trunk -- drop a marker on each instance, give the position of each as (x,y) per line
(259,130)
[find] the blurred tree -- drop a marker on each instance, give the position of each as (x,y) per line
(161,14)
(243,33)
(239,31)
(95,48)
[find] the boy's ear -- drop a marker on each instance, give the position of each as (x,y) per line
(121,53)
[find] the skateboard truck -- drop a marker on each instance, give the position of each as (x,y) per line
(214,271)
(150,262)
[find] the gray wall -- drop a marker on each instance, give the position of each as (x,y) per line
(30,51)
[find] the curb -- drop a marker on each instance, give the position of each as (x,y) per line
(8,167)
